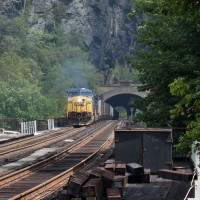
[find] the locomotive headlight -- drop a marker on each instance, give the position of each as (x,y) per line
(79,99)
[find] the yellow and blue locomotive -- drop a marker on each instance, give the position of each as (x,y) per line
(80,107)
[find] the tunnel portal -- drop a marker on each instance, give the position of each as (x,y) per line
(121,100)
(119,96)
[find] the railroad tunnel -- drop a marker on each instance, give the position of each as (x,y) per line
(119,96)
(121,100)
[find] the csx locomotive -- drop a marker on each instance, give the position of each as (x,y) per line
(80,108)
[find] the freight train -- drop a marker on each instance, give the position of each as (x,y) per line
(80,108)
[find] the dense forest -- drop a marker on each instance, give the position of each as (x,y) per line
(168,61)
(38,68)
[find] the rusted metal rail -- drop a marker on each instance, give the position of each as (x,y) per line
(44,179)
(26,141)
(54,140)
(44,141)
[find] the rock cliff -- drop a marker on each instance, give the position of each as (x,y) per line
(10,8)
(106,30)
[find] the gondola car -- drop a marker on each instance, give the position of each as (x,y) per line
(80,111)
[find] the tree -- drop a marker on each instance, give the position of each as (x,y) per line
(168,62)
(124,73)
(189,108)
(24,100)
(168,51)
(46,63)
(14,67)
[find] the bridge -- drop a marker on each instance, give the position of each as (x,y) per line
(118,95)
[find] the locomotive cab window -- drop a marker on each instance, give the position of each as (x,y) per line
(79,92)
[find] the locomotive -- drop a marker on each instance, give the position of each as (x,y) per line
(80,108)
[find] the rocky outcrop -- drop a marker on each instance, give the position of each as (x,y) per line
(105,27)
(106,30)
(10,8)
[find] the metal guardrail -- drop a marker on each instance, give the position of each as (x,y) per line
(28,127)
(14,124)
(32,126)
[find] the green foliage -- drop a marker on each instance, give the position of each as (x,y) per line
(179,87)
(23,100)
(122,112)
(14,67)
(124,73)
(188,107)
(168,50)
(170,7)
(38,68)
(59,11)
(17,27)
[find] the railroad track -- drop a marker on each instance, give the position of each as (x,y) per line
(16,151)
(13,148)
(30,140)
(54,171)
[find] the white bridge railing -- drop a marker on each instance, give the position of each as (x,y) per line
(196,160)
(31,126)
(28,127)
(50,124)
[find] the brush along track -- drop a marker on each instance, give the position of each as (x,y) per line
(36,182)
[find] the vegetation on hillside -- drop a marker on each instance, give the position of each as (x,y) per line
(119,73)
(168,63)
(38,68)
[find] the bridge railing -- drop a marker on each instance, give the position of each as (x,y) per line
(33,126)
(28,127)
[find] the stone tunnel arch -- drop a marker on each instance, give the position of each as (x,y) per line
(120,96)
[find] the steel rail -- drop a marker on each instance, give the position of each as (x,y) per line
(38,144)
(57,180)
(14,176)
(10,145)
